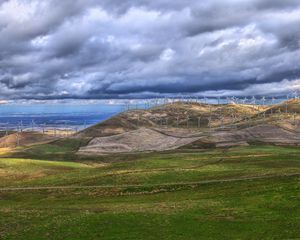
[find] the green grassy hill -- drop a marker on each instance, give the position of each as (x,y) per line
(238,193)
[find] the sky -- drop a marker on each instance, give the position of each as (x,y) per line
(110,49)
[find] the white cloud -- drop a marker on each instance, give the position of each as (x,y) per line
(167,55)
(102,49)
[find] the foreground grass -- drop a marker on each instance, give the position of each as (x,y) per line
(260,209)
(157,196)
(162,168)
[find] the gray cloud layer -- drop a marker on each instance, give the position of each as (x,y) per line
(100,49)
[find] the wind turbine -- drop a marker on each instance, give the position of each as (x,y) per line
(222,121)
(286,103)
(199,122)
(263,100)
(209,123)
(32,125)
(273,100)
(233,99)
(253,100)
(21,126)
(295,93)
(6,128)
(227,99)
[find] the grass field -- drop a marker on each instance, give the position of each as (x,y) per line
(240,193)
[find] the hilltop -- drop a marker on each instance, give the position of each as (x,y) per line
(291,106)
(177,115)
(285,115)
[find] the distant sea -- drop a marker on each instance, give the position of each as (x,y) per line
(55,115)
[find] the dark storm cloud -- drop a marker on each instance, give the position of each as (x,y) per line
(100,49)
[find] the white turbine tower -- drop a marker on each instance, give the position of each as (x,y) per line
(286,103)
(273,100)
(32,125)
(253,100)
(232,100)
(295,94)
(227,99)
(21,126)
(263,100)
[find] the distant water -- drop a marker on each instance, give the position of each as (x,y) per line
(56,115)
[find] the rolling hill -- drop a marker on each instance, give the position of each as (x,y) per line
(181,125)
(185,125)
(24,139)
(179,115)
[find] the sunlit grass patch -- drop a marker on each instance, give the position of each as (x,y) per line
(4,151)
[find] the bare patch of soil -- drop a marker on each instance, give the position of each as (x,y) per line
(145,139)
(140,140)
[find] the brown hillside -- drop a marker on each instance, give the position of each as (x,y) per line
(180,114)
(23,139)
(290,106)
(285,115)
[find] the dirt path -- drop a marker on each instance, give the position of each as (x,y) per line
(149,185)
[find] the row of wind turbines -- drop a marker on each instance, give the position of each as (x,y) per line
(148,103)
(254,100)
